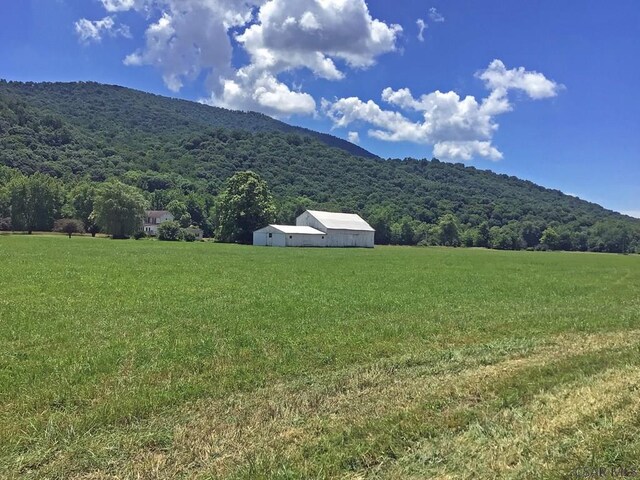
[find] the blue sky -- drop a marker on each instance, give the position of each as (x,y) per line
(543,90)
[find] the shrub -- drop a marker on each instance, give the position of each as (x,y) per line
(139,234)
(170,231)
(68,226)
(5,224)
(188,236)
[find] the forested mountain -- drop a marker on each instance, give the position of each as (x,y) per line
(174,149)
(127,116)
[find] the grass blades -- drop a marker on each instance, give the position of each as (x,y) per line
(150,360)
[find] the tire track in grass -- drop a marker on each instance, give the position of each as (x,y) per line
(536,440)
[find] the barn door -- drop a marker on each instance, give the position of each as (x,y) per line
(269,239)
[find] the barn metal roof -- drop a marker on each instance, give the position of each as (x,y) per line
(341,221)
(295,229)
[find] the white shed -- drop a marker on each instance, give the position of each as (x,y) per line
(289,236)
(341,229)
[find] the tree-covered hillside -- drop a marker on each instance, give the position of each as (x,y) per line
(174,150)
(127,116)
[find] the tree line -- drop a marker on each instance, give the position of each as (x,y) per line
(605,236)
(40,202)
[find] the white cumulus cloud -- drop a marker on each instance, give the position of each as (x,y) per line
(263,92)
(187,38)
(466,150)
(119,5)
(354,137)
(534,84)
(293,34)
(95,30)
(458,128)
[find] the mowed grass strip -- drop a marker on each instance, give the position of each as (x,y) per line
(363,420)
(166,350)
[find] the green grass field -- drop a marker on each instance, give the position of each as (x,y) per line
(125,359)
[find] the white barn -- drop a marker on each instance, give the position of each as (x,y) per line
(342,229)
(318,229)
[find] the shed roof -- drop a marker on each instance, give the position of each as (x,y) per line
(341,221)
(291,229)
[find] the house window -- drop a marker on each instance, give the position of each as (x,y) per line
(290,236)
(323,237)
(270,235)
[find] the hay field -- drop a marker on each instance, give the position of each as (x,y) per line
(143,359)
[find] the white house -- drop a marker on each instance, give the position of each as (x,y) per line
(153,219)
(318,229)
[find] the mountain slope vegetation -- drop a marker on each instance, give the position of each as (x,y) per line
(124,115)
(174,149)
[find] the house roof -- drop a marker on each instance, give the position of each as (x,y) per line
(157,213)
(290,229)
(341,221)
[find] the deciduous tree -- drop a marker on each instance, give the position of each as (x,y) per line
(531,234)
(82,199)
(244,206)
(68,226)
(119,209)
(449,231)
(36,201)
(550,239)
